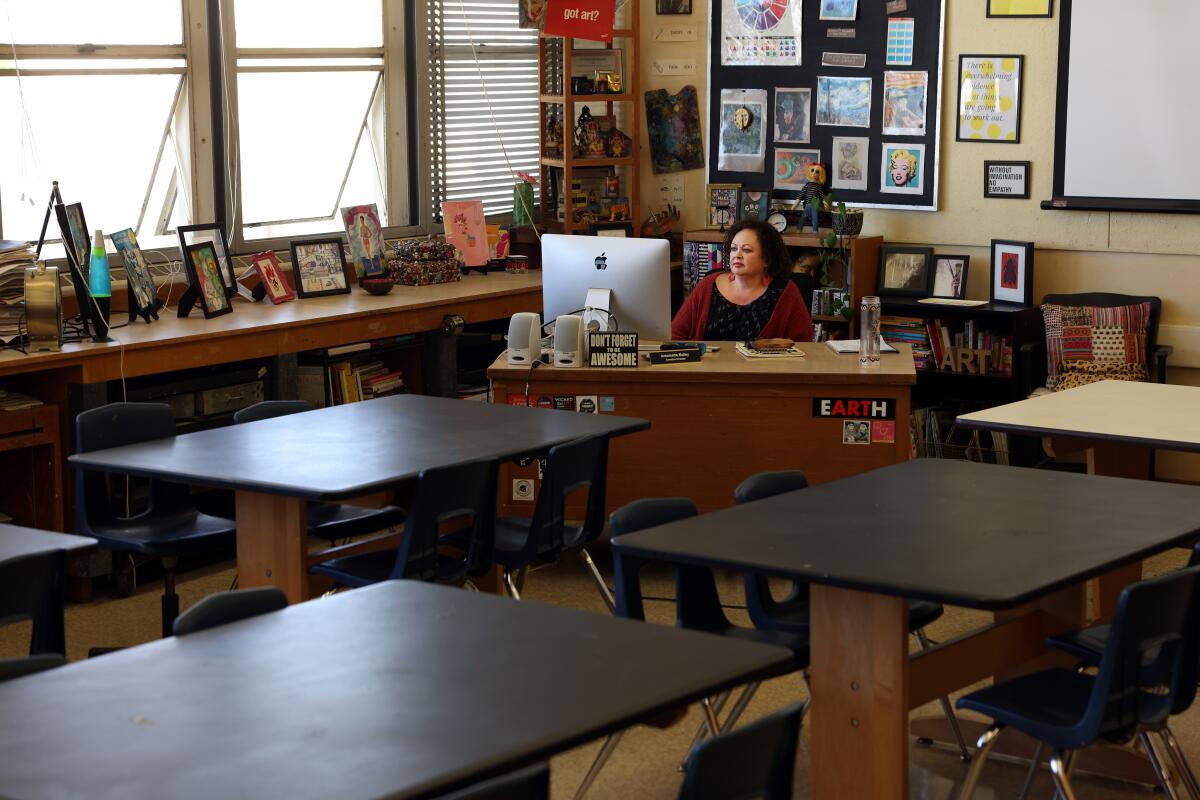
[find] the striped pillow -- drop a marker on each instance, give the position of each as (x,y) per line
(1083,335)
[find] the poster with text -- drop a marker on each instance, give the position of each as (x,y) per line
(761,33)
(989,98)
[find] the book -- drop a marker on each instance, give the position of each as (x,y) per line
(950,301)
(782,352)
(841,346)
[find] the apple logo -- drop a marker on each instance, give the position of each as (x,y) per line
(601,261)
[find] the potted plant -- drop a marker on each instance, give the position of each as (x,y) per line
(835,255)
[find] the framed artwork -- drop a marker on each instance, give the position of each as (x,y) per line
(137,271)
(1006,179)
(950,276)
(204,273)
(843,10)
(753,204)
(623,230)
(74,235)
(213,233)
(850,156)
(673,126)
(1020,8)
(905,271)
(844,101)
(989,98)
(319,267)
(270,274)
(904,103)
(531,14)
(902,168)
(1012,272)
(722,203)
(672,6)
(365,235)
(792,112)
(790,166)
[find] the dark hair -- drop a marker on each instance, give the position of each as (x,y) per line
(774,251)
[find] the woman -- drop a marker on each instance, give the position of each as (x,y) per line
(754,299)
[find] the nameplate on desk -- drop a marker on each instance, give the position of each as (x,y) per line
(681,356)
(612,349)
(854,407)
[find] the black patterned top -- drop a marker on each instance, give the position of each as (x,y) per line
(729,322)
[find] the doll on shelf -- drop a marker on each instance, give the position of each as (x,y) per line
(812,194)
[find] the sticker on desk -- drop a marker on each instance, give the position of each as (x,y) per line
(854,407)
(516,400)
(856,432)
(564,402)
(545,402)
(524,461)
(541,466)
(883,431)
(608,404)
(586,404)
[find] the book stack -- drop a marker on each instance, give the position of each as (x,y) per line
(352,381)
(909,330)
(15,401)
(15,256)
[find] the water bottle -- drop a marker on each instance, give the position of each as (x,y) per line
(868,332)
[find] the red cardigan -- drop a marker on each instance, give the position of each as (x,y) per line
(789,320)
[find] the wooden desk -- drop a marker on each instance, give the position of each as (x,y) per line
(366,694)
(333,454)
(719,420)
(1016,541)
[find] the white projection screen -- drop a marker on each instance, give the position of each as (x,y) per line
(1127,135)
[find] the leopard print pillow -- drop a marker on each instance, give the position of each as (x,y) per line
(1080,373)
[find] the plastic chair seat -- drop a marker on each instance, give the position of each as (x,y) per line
(173,533)
(337,521)
(793,614)
(512,534)
(365,569)
(797,643)
(1086,644)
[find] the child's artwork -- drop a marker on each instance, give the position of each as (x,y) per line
(466,230)
(844,101)
(365,236)
(904,103)
(673,123)
(270,273)
(791,166)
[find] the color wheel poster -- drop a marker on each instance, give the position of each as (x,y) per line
(762,33)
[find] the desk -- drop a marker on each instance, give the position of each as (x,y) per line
(333,454)
(17,547)
(1015,541)
(365,694)
(721,419)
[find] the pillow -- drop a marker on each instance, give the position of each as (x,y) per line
(1085,344)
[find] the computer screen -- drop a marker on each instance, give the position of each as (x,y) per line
(637,271)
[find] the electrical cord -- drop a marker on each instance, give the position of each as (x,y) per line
(537,362)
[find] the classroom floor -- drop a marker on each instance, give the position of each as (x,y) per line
(644,764)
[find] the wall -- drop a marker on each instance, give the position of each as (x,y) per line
(1156,254)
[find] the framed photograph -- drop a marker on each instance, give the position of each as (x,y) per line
(623,230)
(722,203)
(672,6)
(989,98)
(74,235)
(200,260)
(902,168)
(586,63)
(319,267)
(841,10)
(792,113)
(844,101)
(753,204)
(1020,8)
(270,274)
(905,271)
(1006,179)
(365,235)
(215,235)
(850,156)
(137,272)
(790,167)
(950,276)
(854,432)
(1012,272)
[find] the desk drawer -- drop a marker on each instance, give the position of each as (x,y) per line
(228,398)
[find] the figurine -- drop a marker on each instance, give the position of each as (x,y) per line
(812,194)
(554,136)
(588,141)
(617,144)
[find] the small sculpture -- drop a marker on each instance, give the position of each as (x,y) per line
(554,136)
(588,141)
(812,194)
(617,144)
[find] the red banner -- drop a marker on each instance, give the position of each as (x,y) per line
(581,19)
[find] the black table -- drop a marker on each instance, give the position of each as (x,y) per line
(336,453)
(1016,541)
(31,572)
(365,694)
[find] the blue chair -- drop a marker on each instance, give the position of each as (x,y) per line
(757,760)
(225,607)
(31,588)
(1147,671)
(170,526)
(792,613)
(444,495)
(329,521)
(11,668)
(532,783)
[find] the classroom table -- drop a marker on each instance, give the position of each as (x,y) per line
(1018,542)
(17,546)
(723,418)
(365,694)
(332,454)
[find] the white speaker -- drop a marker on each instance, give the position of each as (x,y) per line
(524,338)
(568,341)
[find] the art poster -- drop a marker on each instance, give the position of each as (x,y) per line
(760,33)
(904,103)
(365,236)
(903,168)
(989,101)
(466,230)
(790,166)
(793,108)
(844,101)
(900,33)
(673,124)
(742,142)
(531,14)
(137,271)
(850,161)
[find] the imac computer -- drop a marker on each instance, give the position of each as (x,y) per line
(628,277)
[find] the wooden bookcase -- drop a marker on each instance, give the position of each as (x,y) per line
(557,101)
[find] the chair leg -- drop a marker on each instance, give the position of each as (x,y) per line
(1165,778)
(702,729)
(1061,773)
(1180,761)
(170,600)
(984,746)
(947,709)
(1033,771)
(606,751)
(710,718)
(511,584)
(740,706)
(598,579)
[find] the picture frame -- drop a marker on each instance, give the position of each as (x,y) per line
(672,6)
(1012,272)
(839,10)
(620,229)
(75,239)
(753,204)
(722,204)
(271,277)
(994,77)
(586,63)
(1007,179)
(1020,8)
(364,235)
(137,275)
(214,233)
(905,271)
(319,267)
(949,276)
(204,273)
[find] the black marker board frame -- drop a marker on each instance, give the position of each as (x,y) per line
(871,38)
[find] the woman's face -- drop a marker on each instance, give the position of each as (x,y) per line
(900,172)
(746,255)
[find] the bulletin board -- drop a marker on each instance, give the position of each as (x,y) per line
(752,48)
